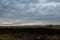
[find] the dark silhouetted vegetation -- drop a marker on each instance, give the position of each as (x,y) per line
(29,34)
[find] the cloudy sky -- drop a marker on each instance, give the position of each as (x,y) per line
(29,11)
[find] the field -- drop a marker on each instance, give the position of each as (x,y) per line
(49,32)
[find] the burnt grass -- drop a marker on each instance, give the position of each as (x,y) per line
(29,34)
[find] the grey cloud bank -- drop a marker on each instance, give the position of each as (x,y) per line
(23,11)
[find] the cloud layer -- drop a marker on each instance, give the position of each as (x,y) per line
(23,11)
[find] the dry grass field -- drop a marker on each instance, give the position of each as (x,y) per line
(29,32)
(31,26)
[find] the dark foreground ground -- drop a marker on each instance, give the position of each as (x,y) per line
(29,34)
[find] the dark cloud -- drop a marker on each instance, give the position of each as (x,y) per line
(54,0)
(22,10)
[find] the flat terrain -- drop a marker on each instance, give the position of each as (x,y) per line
(31,26)
(49,32)
(29,34)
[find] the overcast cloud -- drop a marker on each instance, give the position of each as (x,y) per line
(23,11)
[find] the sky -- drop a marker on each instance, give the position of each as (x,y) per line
(29,11)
